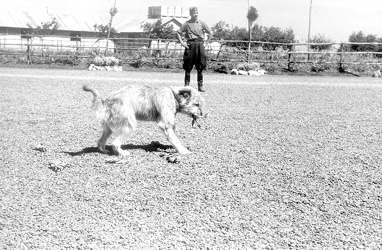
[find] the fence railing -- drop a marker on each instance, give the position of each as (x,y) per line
(130,49)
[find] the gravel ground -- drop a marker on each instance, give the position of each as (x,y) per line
(282,162)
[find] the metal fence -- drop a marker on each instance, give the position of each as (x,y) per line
(130,49)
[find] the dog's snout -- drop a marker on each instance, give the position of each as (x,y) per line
(197,114)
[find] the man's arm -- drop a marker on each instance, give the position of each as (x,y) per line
(179,34)
(208,31)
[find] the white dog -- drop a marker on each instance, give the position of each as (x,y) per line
(120,112)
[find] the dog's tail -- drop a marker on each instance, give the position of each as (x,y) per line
(97,103)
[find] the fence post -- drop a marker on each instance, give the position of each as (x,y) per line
(76,54)
(341,55)
(221,46)
(289,60)
(28,51)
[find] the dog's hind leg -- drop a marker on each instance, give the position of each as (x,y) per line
(103,140)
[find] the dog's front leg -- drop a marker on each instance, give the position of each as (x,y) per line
(116,144)
(174,140)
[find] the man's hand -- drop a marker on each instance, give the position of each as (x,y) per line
(184,44)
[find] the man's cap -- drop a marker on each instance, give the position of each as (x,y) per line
(193,9)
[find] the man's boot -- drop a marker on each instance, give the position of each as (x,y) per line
(200,86)
(200,81)
(187,77)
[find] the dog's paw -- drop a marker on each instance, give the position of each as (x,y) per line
(173,159)
(104,151)
(123,153)
(116,161)
(184,152)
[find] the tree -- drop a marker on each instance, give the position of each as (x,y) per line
(238,34)
(356,38)
(113,11)
(220,30)
(370,39)
(46,28)
(158,31)
(320,38)
(273,34)
(359,37)
(379,47)
(103,30)
(252,15)
(259,33)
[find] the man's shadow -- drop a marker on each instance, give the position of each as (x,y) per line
(154,146)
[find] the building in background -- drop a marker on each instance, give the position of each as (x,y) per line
(170,15)
(78,30)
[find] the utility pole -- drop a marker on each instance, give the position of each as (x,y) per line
(112,14)
(310,21)
(250,36)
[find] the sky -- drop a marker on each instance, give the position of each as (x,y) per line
(335,19)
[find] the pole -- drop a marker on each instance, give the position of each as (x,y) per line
(310,21)
(108,32)
(250,37)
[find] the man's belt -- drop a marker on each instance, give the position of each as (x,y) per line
(195,40)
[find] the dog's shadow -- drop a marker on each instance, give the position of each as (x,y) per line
(154,146)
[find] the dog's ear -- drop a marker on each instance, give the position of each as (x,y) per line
(185,93)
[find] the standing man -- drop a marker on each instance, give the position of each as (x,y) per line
(194,54)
